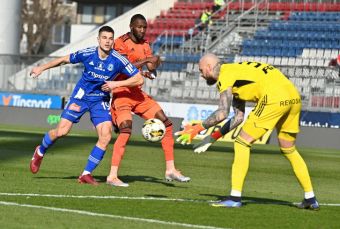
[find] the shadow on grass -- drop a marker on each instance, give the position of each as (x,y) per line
(21,144)
(127,178)
(247,200)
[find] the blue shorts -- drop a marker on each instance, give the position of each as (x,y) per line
(99,110)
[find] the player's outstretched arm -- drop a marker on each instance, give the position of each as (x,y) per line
(210,139)
(150,74)
(151,63)
(239,107)
(190,131)
(136,80)
(36,71)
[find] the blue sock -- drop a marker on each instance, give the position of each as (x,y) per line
(45,144)
(94,159)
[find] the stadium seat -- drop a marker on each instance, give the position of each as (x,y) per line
(284,61)
(320,63)
(298,61)
(270,60)
(277,61)
(176,92)
(154,91)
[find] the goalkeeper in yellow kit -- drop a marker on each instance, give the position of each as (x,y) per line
(278,106)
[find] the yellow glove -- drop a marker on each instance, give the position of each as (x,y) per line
(188,133)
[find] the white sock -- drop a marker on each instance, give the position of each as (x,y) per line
(235,193)
(39,153)
(85,173)
(309,195)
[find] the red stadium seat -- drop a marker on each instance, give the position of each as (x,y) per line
(328,101)
(336,102)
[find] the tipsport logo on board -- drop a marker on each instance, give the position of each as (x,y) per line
(30,100)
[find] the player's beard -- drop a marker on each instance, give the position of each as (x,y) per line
(211,81)
(139,36)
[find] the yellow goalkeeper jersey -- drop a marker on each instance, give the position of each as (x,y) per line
(250,81)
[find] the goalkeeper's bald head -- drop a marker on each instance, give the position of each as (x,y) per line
(209,66)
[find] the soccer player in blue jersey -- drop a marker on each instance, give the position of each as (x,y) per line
(92,93)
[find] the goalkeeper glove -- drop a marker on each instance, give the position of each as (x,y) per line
(188,133)
(207,142)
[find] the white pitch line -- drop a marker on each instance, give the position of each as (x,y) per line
(149,198)
(38,132)
(103,197)
(80,212)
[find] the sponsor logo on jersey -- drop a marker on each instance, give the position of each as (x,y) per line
(100,66)
(96,94)
(72,115)
(289,102)
(98,76)
(110,67)
(91,63)
(74,107)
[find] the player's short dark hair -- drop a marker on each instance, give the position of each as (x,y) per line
(106,29)
(136,17)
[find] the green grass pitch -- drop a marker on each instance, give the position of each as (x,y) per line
(53,198)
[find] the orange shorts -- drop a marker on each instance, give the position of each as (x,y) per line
(132,100)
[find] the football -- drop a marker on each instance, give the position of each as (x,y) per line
(153,130)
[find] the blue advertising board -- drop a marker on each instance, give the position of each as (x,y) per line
(320,119)
(30,100)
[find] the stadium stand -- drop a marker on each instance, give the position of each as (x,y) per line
(302,45)
(298,37)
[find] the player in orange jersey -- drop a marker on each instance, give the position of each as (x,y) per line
(127,100)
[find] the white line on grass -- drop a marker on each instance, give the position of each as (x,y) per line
(37,132)
(102,197)
(147,198)
(108,215)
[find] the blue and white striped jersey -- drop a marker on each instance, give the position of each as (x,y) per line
(97,71)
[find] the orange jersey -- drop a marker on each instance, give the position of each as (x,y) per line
(132,51)
(127,100)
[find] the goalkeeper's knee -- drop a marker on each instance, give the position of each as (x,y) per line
(242,142)
(289,150)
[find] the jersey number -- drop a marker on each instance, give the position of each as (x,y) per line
(258,65)
(106,105)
